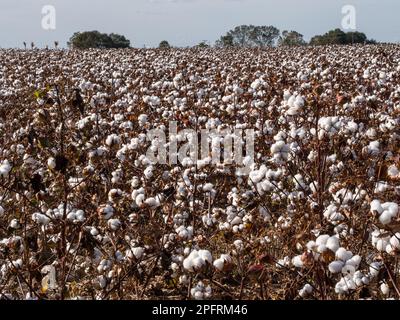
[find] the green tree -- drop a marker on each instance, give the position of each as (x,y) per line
(291,38)
(356,37)
(337,36)
(95,39)
(225,41)
(119,41)
(203,44)
(249,36)
(164,45)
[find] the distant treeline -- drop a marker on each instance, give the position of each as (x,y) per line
(240,36)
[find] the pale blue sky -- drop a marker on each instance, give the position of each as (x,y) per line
(187,22)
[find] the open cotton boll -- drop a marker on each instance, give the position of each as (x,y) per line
(5,169)
(306,290)
(393,172)
(343,254)
(206,256)
(143,119)
(354,261)
(394,240)
(139,199)
(188,264)
(348,269)
(281,149)
(256,84)
(14,224)
(138,252)
(197,259)
(238,244)
(381,244)
(219,264)
(385,289)
(207,187)
(336,266)
(376,206)
(297,261)
(113,139)
(114,224)
(391,207)
(51,163)
(333,243)
(286,95)
(39,218)
(322,239)
(385,217)
(374,268)
(152,202)
(1,211)
(148,172)
(373,148)
(321,248)
(106,211)
(114,195)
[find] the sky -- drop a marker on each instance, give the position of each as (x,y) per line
(188,22)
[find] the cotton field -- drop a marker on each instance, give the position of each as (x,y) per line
(94,205)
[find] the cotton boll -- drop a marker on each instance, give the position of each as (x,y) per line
(206,256)
(336,266)
(297,262)
(321,248)
(256,84)
(102,280)
(135,182)
(393,172)
(385,289)
(238,244)
(305,291)
(207,187)
(394,240)
(392,208)
(106,211)
(139,200)
(148,172)
(51,163)
(381,245)
(374,268)
(219,264)
(38,218)
(365,280)
(188,264)
(343,254)
(348,269)
(112,139)
(198,263)
(376,206)
(354,261)
(1,211)
(152,202)
(5,168)
(322,239)
(311,245)
(114,224)
(332,243)
(143,119)
(385,217)
(14,224)
(138,252)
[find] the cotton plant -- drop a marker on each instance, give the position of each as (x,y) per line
(80,191)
